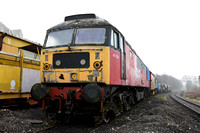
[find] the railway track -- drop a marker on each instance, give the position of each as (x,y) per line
(62,124)
(187,103)
(49,127)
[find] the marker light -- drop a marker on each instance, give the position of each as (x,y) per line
(46,66)
(97,65)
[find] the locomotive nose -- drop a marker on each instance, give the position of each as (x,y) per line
(38,91)
(92,93)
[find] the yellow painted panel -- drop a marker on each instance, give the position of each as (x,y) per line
(10,49)
(15,95)
(84,74)
(9,79)
(8,62)
(14,61)
(31,66)
(9,57)
(15,42)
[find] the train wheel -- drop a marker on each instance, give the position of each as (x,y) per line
(131,100)
(116,104)
(128,100)
(67,118)
(106,117)
(50,114)
(98,119)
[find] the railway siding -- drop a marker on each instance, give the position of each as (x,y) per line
(189,104)
(158,113)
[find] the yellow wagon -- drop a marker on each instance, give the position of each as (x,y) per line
(19,67)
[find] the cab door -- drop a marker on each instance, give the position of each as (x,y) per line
(123,59)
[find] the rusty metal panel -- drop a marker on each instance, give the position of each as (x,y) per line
(30,77)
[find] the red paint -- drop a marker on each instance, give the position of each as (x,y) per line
(152,79)
(102,93)
(43,104)
(57,93)
(61,94)
(134,75)
(130,67)
(115,67)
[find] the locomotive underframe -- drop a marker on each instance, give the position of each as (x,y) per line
(70,101)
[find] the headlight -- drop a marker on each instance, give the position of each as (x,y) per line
(82,62)
(73,76)
(58,62)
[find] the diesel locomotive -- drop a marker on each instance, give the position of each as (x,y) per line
(88,67)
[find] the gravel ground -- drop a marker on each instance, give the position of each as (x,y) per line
(17,120)
(158,113)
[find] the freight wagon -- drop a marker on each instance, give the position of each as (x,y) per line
(19,68)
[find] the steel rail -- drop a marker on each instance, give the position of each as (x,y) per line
(187,103)
(49,127)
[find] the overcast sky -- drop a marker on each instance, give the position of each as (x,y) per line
(164,33)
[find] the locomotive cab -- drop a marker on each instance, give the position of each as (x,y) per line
(75,64)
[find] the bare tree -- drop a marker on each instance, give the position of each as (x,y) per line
(170,81)
(191,82)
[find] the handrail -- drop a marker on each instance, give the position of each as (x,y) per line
(4,53)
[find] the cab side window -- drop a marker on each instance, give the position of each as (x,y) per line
(131,55)
(116,45)
(114,39)
(121,43)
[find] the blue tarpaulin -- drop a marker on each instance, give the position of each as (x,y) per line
(158,86)
(148,74)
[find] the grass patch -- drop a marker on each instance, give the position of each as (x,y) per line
(120,119)
(194,100)
(164,98)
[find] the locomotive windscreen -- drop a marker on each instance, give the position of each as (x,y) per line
(61,37)
(90,36)
(71,60)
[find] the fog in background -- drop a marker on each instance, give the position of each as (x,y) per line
(165,34)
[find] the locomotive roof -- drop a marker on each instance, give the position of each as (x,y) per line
(84,20)
(81,20)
